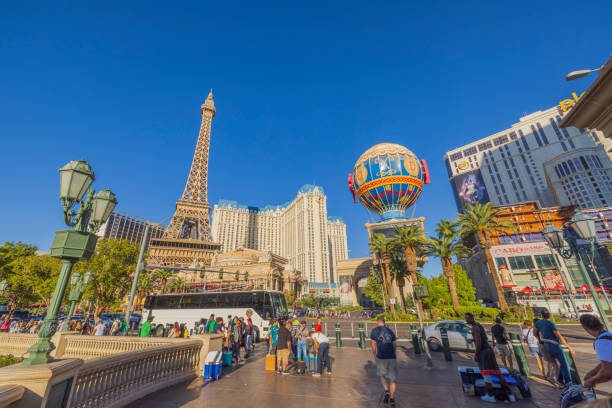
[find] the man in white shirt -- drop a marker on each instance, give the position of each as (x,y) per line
(322,346)
(603,350)
(99,329)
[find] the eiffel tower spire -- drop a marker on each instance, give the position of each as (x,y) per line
(188,235)
(196,188)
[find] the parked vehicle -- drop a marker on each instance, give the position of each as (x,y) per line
(459,335)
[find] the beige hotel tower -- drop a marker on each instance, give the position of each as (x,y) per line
(299,230)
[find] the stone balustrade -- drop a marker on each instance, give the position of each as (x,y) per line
(88,347)
(16,344)
(10,394)
(117,380)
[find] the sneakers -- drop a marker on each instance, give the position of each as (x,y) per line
(392,402)
(386,398)
(488,398)
(316,375)
(285,372)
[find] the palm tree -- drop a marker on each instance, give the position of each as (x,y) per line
(398,272)
(163,275)
(176,284)
(383,247)
(445,246)
(481,220)
(145,285)
(446,227)
(412,239)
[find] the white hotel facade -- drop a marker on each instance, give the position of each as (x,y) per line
(299,230)
(534,159)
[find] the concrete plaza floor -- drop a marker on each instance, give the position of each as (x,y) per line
(352,384)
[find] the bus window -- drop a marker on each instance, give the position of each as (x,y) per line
(257,303)
(209,300)
(190,302)
(226,300)
(284,309)
(149,302)
(167,302)
(276,304)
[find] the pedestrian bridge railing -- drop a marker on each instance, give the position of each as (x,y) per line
(117,380)
(16,343)
(87,347)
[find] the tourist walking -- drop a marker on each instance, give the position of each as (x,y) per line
(319,325)
(250,334)
(302,345)
(501,342)
(551,337)
(384,344)
(282,348)
(145,330)
(273,337)
(235,337)
(603,351)
(114,330)
(485,357)
(533,343)
(99,329)
(175,332)
(321,343)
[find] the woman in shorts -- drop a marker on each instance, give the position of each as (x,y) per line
(533,343)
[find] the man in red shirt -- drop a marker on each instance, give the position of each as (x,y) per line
(319,327)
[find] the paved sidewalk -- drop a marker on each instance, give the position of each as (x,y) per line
(353,384)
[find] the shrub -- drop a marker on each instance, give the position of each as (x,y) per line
(9,360)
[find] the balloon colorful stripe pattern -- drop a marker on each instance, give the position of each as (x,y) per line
(388,179)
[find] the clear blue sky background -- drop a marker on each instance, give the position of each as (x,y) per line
(301,91)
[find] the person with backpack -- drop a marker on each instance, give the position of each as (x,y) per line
(603,350)
(250,335)
(533,343)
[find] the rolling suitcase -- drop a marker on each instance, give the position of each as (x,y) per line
(300,367)
(270,362)
(227,358)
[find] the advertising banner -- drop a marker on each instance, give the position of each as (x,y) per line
(469,188)
(345,290)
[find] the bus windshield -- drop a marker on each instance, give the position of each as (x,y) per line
(280,304)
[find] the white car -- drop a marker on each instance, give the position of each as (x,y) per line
(459,335)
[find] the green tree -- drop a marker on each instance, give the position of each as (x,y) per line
(310,300)
(383,248)
(412,239)
(481,220)
(112,264)
(373,289)
(290,296)
(34,278)
(146,284)
(465,289)
(162,275)
(446,245)
(9,252)
(399,271)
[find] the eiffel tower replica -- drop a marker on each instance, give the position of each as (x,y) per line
(187,240)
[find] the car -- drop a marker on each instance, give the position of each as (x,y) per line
(459,335)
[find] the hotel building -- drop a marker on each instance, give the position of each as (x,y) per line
(299,231)
(534,160)
(123,226)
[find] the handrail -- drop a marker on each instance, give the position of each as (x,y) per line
(117,380)
(10,394)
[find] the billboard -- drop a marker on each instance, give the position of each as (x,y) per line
(345,290)
(469,188)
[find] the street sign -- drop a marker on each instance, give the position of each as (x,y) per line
(421,291)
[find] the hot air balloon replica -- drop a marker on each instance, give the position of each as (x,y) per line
(387,179)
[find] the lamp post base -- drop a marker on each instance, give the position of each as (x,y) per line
(39,353)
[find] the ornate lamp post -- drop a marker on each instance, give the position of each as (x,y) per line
(78,284)
(579,227)
(71,245)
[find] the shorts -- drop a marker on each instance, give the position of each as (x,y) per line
(387,367)
(535,351)
(487,363)
(282,355)
(546,354)
(503,349)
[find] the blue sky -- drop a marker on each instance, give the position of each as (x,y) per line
(301,91)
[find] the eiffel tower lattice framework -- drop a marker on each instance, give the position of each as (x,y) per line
(187,239)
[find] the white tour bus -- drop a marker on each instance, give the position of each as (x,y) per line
(189,308)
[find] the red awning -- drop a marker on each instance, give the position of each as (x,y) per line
(607,288)
(559,288)
(526,289)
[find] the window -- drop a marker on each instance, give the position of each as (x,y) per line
(521,262)
(545,261)
(537,137)
(524,139)
(456,156)
(499,140)
(513,136)
(485,146)
(542,134)
(167,302)
(470,151)
(556,129)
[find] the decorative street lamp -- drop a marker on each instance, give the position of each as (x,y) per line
(579,227)
(78,284)
(71,245)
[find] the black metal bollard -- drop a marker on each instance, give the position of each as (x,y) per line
(415,339)
(338,336)
(572,365)
(519,353)
(362,340)
(446,345)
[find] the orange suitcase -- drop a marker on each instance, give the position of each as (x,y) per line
(270,362)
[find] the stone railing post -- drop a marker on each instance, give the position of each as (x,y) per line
(210,342)
(60,341)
